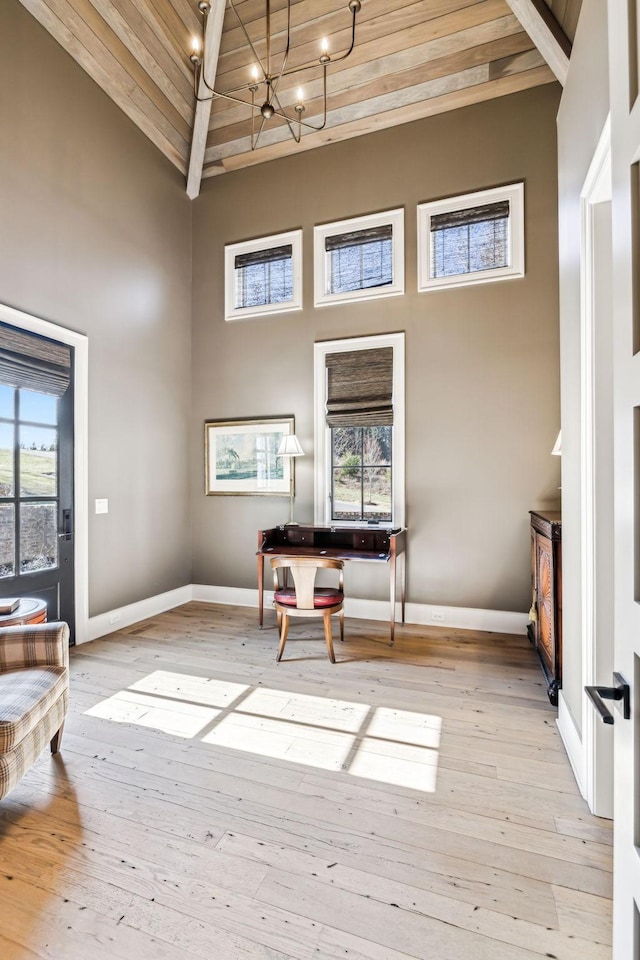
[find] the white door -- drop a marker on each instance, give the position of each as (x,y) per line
(625,154)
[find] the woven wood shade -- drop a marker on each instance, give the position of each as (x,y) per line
(359,237)
(33,362)
(360,388)
(479,214)
(264,256)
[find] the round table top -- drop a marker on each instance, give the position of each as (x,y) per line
(29,609)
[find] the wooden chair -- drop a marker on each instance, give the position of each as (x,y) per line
(304,599)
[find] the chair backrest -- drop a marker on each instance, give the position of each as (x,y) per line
(303,571)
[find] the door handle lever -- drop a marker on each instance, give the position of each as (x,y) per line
(67,531)
(620,692)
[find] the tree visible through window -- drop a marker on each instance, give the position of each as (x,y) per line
(361,473)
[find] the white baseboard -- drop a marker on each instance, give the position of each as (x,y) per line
(460,618)
(113,620)
(572,742)
(463,618)
(230,596)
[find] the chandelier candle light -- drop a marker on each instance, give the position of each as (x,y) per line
(290,447)
(265,78)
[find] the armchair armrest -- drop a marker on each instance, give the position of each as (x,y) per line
(38,645)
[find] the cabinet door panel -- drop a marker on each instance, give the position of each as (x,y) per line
(544,577)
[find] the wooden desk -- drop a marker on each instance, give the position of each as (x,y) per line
(29,611)
(359,544)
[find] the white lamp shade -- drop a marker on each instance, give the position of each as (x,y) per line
(290,447)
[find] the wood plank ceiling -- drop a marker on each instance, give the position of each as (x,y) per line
(411,60)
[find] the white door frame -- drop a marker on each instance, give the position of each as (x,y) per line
(597,746)
(80,343)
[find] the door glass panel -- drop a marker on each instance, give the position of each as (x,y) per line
(7,480)
(38,407)
(38,537)
(7,540)
(6,401)
(38,462)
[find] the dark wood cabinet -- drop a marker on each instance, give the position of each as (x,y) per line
(545,628)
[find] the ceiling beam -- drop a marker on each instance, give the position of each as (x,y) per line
(547,34)
(211,43)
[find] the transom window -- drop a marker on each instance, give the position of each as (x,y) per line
(360,258)
(263,276)
(467,241)
(471,239)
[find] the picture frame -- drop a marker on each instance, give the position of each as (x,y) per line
(240,457)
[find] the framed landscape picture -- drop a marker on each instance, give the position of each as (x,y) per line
(240,457)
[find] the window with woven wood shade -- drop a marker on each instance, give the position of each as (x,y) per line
(359,430)
(263,276)
(475,238)
(360,417)
(359,259)
(469,240)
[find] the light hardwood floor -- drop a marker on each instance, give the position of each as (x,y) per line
(412,802)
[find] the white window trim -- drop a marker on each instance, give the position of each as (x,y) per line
(515,194)
(231,251)
(320,258)
(322,444)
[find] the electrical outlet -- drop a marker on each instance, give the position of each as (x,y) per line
(114,618)
(102,505)
(438,616)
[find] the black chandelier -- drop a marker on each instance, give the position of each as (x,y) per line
(266,77)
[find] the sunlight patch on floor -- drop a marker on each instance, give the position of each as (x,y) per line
(178,719)
(181,686)
(305,743)
(319,711)
(387,745)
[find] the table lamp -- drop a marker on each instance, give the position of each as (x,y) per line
(290,447)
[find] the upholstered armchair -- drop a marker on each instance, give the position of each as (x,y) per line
(34,692)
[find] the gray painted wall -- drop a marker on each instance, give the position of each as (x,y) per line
(95,235)
(583,111)
(482,362)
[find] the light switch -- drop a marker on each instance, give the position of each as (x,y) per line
(102,506)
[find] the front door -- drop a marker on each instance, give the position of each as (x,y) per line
(624,46)
(36,472)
